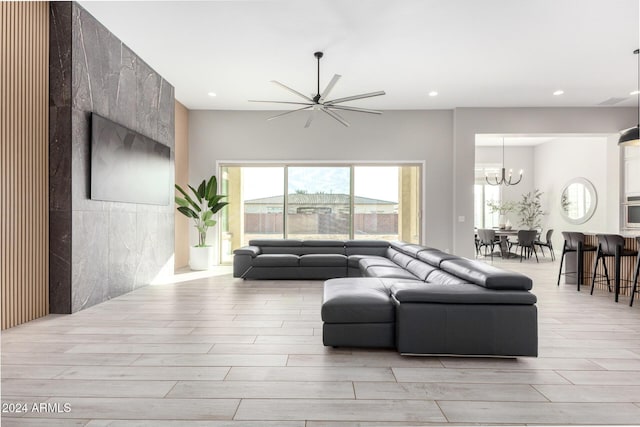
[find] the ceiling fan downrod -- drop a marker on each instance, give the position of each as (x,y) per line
(316,98)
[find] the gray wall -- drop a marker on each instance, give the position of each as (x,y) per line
(396,135)
(100,250)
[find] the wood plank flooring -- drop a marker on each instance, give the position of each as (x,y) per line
(219,352)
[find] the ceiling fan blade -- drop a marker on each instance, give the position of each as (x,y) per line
(289,112)
(359,110)
(336,116)
(282,102)
(312,115)
(291,90)
(354,97)
(329,87)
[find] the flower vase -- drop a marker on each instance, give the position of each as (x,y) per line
(502,221)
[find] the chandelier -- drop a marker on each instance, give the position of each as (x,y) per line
(504,180)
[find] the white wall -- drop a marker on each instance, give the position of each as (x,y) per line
(515,158)
(562,159)
(471,121)
(395,135)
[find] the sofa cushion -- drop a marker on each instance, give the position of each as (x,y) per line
(356,300)
(444,278)
(402,260)
(275,242)
(323,260)
(303,250)
(461,293)
(292,250)
(390,253)
(420,269)
(388,272)
(435,257)
(366,247)
(398,245)
(327,243)
(248,250)
(373,261)
(486,275)
(366,243)
(353,261)
(276,260)
(412,249)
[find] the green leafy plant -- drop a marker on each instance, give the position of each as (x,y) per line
(202,207)
(530,210)
(502,207)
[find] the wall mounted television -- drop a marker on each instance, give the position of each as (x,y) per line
(127,166)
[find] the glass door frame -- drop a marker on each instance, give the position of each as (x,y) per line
(420,164)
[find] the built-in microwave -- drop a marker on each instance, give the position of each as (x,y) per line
(632,212)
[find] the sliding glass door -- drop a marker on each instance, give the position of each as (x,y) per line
(310,201)
(318,202)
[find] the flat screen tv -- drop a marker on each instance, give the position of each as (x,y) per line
(126,166)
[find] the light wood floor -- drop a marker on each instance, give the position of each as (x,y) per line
(222,352)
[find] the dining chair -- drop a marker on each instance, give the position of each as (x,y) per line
(487,239)
(526,243)
(546,244)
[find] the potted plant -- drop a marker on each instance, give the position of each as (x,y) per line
(503,208)
(204,204)
(530,210)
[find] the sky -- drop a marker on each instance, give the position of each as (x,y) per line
(376,182)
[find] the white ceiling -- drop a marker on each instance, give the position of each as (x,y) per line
(489,53)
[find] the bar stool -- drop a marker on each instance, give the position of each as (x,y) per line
(610,245)
(635,275)
(574,242)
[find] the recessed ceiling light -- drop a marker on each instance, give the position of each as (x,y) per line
(211,94)
(558,92)
(635,92)
(433,93)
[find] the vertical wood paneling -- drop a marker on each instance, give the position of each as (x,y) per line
(24,186)
(181,251)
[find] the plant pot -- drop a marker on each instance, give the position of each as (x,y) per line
(200,257)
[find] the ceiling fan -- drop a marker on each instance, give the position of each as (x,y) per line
(319,101)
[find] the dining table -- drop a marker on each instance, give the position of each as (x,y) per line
(504,235)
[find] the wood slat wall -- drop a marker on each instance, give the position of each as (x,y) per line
(24,186)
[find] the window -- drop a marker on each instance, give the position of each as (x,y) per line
(483,193)
(318,202)
(307,201)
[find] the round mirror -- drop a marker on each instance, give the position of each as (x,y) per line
(578,201)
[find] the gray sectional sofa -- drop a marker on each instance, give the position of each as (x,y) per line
(416,299)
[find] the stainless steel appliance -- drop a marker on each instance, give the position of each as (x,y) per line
(632,212)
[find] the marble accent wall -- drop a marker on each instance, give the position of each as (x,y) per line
(104,249)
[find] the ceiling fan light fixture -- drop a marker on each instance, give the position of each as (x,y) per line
(629,137)
(319,100)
